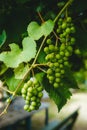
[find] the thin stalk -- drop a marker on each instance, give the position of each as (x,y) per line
(66,5)
(6,90)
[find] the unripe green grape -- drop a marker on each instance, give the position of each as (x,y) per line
(64,34)
(58,56)
(56,85)
(51,55)
(62,47)
(51,78)
(40,94)
(66,63)
(25,86)
(64,25)
(23,91)
(35,81)
(69,48)
(48,41)
(33,98)
(35,92)
(57,70)
(51,65)
(60,61)
(26,107)
(56,64)
(63,40)
(24,96)
(51,47)
(28,98)
(33,103)
(72,29)
(31,107)
(62,53)
(61,66)
(29,83)
(46,50)
(67,54)
(49,71)
(29,94)
(68,30)
(62,71)
(58,30)
(61,35)
(57,74)
(30,89)
(27,102)
(8,100)
(55,48)
(65,58)
(40,88)
(72,41)
(57,80)
(47,57)
(50,81)
(69,19)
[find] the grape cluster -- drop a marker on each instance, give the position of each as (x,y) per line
(57,54)
(32,93)
(65,30)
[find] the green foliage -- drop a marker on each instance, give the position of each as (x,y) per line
(36,31)
(59,95)
(16,56)
(12,83)
(20,71)
(21,61)
(2,38)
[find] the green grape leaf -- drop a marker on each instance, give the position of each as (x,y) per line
(47,27)
(16,56)
(69,79)
(59,95)
(36,31)
(39,76)
(20,71)
(41,57)
(3,69)
(2,38)
(12,83)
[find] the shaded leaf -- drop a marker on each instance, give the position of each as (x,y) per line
(12,83)
(20,71)
(59,95)
(2,38)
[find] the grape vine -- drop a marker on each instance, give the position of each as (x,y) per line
(55,49)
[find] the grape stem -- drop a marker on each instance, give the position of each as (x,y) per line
(61,11)
(6,89)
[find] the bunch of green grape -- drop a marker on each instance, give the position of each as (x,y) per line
(57,55)
(32,94)
(65,30)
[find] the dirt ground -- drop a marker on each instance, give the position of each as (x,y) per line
(78,100)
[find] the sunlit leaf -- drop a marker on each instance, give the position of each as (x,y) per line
(36,31)
(16,56)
